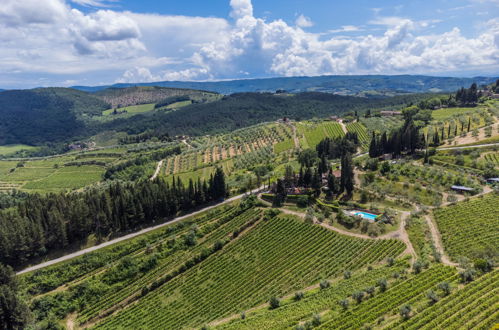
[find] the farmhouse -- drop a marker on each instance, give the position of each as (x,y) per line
(462,189)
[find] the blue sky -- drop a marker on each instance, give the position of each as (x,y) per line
(91,42)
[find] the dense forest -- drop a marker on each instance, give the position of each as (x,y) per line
(45,115)
(41,224)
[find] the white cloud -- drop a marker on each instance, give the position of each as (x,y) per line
(241,8)
(303,21)
(346,28)
(45,38)
(95,3)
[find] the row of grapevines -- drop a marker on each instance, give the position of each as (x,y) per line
(470,228)
(276,257)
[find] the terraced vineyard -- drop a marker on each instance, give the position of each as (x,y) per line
(276,257)
(470,227)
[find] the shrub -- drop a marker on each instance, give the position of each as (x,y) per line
(445,287)
(347,274)
(316,320)
(344,304)
(432,296)
(298,296)
(358,296)
(383,284)
(325,284)
(274,303)
(405,312)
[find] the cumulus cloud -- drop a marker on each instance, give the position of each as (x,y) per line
(304,21)
(51,38)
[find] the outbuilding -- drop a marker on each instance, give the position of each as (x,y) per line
(462,189)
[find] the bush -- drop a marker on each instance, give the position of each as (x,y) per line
(298,296)
(405,312)
(344,304)
(383,284)
(445,287)
(316,320)
(302,201)
(325,284)
(347,274)
(358,296)
(432,296)
(274,303)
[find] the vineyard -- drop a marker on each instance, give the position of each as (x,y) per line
(311,133)
(470,228)
(292,311)
(276,257)
(473,307)
(378,305)
(241,148)
(492,157)
(361,133)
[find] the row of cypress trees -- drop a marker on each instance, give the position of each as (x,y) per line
(41,224)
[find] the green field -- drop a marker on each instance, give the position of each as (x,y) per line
(470,228)
(52,175)
(442,114)
(134,109)
(13,148)
(276,257)
(284,146)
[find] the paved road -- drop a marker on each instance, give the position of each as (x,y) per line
(468,147)
(129,236)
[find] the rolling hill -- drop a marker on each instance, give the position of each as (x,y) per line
(346,85)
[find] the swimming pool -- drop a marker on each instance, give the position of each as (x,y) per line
(365,215)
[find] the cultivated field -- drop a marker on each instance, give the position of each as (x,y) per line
(470,228)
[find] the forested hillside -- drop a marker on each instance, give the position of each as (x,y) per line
(246,109)
(45,115)
(48,115)
(123,97)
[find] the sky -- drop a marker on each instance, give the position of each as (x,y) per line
(99,42)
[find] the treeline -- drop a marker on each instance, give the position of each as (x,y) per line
(407,139)
(41,224)
(141,160)
(146,136)
(462,97)
(171,100)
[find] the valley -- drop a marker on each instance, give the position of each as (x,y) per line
(357,214)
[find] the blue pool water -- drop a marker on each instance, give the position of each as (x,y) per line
(365,215)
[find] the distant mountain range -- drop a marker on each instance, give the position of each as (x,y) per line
(368,85)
